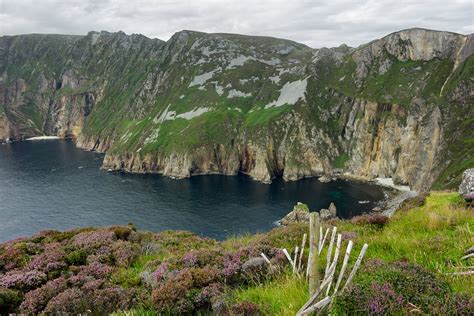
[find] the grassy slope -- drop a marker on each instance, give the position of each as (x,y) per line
(434,236)
(411,254)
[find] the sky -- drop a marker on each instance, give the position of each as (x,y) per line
(312,22)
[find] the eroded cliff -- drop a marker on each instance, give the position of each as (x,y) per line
(399,107)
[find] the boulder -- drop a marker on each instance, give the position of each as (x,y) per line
(466,189)
(300,213)
(377,209)
(332,209)
(325,214)
(254,264)
(324,179)
(330,213)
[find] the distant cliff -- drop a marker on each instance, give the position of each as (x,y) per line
(399,107)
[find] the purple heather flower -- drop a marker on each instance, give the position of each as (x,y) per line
(190,259)
(94,239)
(160,272)
(231,264)
(26,280)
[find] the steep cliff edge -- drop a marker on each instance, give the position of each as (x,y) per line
(399,107)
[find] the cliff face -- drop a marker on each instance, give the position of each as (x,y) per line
(203,103)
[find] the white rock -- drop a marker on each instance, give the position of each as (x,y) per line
(291,93)
(237,94)
(201,79)
(42,138)
(194,113)
(388,182)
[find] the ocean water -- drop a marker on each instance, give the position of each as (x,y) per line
(51,184)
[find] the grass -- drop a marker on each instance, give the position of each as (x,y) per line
(412,253)
(262,116)
(283,296)
(340,161)
(434,236)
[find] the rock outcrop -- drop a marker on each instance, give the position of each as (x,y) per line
(299,214)
(466,189)
(200,103)
(330,213)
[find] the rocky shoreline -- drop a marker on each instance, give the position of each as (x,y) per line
(394,195)
(395,198)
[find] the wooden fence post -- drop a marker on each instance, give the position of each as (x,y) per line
(313,260)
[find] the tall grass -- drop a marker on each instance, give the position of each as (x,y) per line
(434,235)
(283,296)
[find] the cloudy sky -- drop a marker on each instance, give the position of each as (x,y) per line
(313,22)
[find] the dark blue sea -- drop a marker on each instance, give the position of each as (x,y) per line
(51,184)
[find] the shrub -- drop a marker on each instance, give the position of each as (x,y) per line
(204,276)
(244,309)
(125,253)
(349,236)
(171,296)
(108,299)
(73,301)
(179,293)
(377,220)
(232,262)
(91,240)
(35,301)
(12,257)
(391,288)
(9,301)
(202,257)
(54,236)
(102,255)
(76,257)
(209,294)
(190,259)
(160,272)
(122,232)
(49,260)
(23,280)
(96,270)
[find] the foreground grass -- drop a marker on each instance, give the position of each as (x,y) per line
(176,272)
(434,236)
(283,296)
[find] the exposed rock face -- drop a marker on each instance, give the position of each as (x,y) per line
(466,189)
(5,132)
(300,213)
(199,103)
(324,179)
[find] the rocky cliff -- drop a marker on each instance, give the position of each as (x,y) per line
(399,107)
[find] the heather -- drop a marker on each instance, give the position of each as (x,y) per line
(123,270)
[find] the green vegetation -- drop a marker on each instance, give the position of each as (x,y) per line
(282,296)
(143,273)
(133,80)
(340,161)
(260,117)
(459,132)
(433,236)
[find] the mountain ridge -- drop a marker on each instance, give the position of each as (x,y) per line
(204,103)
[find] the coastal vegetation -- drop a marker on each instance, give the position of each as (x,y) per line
(408,268)
(399,106)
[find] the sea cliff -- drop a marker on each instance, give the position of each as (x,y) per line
(397,107)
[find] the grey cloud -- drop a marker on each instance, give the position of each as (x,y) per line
(315,23)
